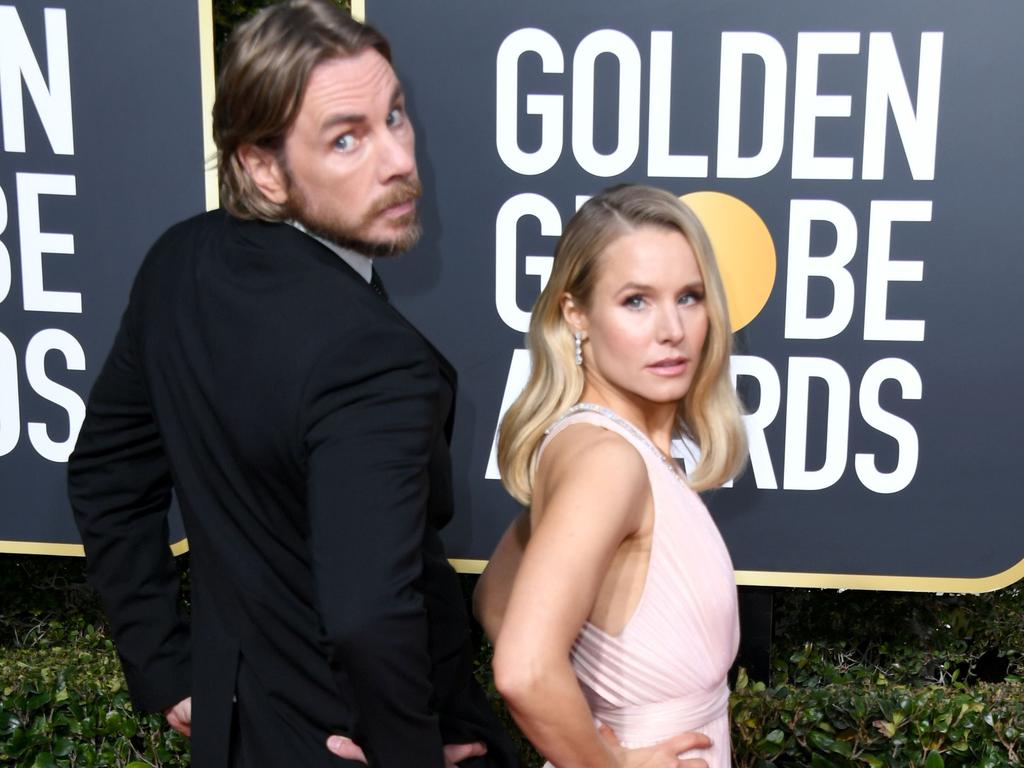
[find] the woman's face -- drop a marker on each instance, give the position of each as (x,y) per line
(647,319)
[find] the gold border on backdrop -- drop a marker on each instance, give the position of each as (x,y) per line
(65,550)
(846,580)
(208,88)
(359,10)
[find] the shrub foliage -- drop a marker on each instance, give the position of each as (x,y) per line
(858,679)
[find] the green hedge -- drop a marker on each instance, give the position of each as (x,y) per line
(858,679)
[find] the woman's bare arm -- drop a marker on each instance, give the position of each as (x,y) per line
(594,490)
(493,588)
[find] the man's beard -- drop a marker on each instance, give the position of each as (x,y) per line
(348,235)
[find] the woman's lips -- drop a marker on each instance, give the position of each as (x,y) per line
(669,366)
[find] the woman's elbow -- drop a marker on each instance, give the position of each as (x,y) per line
(516,677)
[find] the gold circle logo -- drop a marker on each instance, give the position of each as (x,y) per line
(743,248)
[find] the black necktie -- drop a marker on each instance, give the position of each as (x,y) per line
(378,285)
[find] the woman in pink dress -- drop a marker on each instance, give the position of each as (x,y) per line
(611,600)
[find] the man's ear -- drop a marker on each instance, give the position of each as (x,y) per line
(266,172)
(573,314)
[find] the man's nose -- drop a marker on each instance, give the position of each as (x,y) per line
(398,157)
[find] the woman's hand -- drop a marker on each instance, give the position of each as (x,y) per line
(663,755)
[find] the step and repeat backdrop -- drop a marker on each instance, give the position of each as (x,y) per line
(858,166)
(102,146)
(860,169)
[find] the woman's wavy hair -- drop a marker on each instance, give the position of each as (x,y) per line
(266,65)
(709,414)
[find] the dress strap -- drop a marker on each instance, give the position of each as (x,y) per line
(625,428)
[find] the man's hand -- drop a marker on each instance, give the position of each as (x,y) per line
(454,754)
(663,755)
(179,717)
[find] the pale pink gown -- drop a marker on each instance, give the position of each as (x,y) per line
(665,672)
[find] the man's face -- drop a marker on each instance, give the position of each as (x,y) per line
(349,162)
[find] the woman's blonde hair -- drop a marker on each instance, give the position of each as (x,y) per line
(709,413)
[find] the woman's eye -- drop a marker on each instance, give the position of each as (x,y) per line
(691,297)
(396,116)
(634,302)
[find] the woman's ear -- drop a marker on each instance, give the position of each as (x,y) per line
(573,314)
(266,172)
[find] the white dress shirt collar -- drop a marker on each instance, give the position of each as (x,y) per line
(363,265)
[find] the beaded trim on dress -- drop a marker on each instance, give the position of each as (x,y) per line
(671,464)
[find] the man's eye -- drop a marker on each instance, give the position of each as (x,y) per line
(345,143)
(396,116)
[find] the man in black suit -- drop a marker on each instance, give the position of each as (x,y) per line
(260,372)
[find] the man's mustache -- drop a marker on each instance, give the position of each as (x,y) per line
(401,192)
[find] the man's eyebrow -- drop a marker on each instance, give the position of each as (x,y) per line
(355,118)
(333,121)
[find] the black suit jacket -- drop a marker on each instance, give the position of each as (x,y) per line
(303,425)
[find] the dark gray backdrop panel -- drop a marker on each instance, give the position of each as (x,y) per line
(138,166)
(960,516)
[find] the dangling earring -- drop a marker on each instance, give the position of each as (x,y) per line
(578,338)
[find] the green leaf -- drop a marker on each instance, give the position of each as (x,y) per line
(38,700)
(775,737)
(934,760)
(886,728)
(817,761)
(9,722)
(827,743)
(741,679)
(63,746)
(44,760)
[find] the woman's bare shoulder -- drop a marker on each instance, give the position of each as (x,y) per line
(586,461)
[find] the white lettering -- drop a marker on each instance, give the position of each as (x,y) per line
(10,409)
(796,475)
(886,85)
(659,161)
(769,400)
(35,242)
(736,45)
(882,270)
(17,63)
(802,266)
(899,429)
(505,250)
(518,373)
(583,90)
(5,255)
(809,105)
(54,339)
(546,106)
